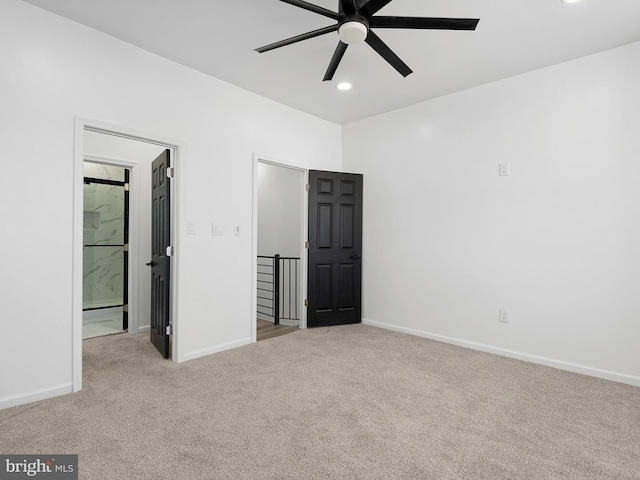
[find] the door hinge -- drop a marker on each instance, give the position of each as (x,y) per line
(306,302)
(126,187)
(126,247)
(168,330)
(170,172)
(306,245)
(307,187)
(125,308)
(169,252)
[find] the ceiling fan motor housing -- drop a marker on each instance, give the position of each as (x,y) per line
(353,29)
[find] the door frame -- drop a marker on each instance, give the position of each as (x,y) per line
(178,148)
(304,199)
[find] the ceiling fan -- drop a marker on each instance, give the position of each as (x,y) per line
(355,20)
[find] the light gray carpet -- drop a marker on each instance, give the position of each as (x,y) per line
(340,402)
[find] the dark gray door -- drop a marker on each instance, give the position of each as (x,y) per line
(335,248)
(125,253)
(160,262)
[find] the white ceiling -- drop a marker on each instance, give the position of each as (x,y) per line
(218,37)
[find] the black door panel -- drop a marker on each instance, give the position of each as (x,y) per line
(160,262)
(335,248)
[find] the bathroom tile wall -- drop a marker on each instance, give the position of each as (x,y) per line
(103,233)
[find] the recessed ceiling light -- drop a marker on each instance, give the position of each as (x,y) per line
(570,1)
(344,86)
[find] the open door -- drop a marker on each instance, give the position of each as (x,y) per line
(335,248)
(125,253)
(160,258)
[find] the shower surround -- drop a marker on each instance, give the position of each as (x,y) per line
(104,224)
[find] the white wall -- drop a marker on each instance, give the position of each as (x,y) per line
(279,210)
(53,70)
(447,242)
(140,155)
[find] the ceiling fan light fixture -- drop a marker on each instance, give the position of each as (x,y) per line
(352,32)
(354,17)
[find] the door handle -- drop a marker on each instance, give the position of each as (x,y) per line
(150,264)
(355,257)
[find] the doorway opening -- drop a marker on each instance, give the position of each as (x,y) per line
(130,154)
(105,250)
(279,277)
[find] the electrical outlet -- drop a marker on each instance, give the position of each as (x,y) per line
(503,169)
(503,315)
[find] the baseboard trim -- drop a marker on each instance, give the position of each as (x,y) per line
(146,328)
(290,323)
(16,400)
(549,362)
(218,348)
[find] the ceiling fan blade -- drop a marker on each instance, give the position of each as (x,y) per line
(298,38)
(372,6)
(348,7)
(424,23)
(385,52)
(335,61)
(312,8)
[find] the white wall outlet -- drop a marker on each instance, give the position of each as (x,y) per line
(191,228)
(503,169)
(503,315)
(236,229)
(217,229)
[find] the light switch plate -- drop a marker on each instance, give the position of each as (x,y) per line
(191,228)
(217,229)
